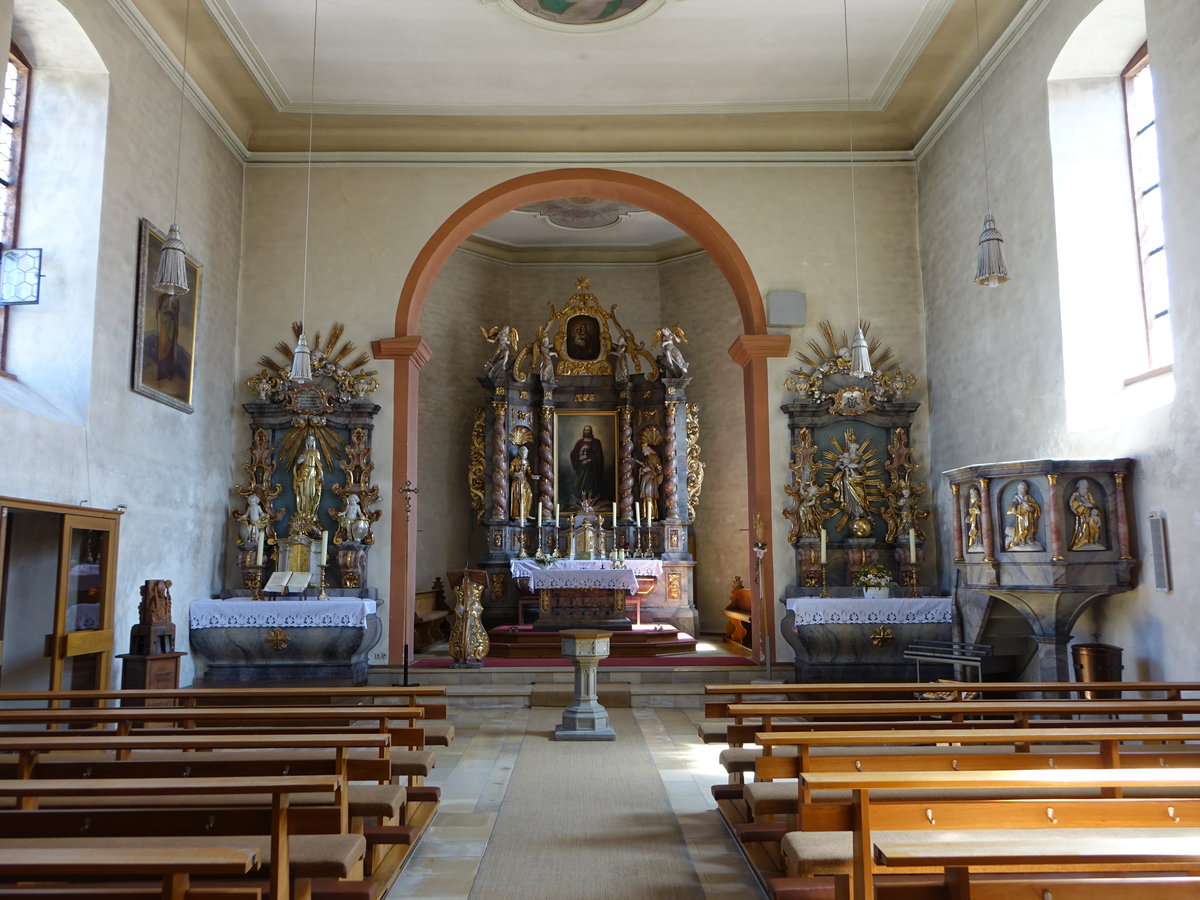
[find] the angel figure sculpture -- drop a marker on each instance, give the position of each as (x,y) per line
(505,338)
(670,358)
(547,356)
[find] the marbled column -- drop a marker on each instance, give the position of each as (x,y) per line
(670,464)
(958,520)
(985,501)
(546,464)
(625,501)
(499,462)
(1056,528)
(1122,516)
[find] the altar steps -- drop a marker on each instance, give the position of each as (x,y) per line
(522,642)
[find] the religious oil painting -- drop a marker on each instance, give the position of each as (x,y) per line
(585,459)
(583,338)
(165,328)
(580,12)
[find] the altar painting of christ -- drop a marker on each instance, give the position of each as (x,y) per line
(585,459)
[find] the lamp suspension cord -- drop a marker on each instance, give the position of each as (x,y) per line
(987,188)
(187,15)
(312,95)
(853,197)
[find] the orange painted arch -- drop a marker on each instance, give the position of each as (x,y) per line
(751,351)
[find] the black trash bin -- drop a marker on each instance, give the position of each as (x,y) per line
(1097,662)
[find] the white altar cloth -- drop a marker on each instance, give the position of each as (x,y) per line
(642,568)
(575,577)
(336,612)
(870,610)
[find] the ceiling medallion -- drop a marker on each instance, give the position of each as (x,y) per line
(580,212)
(572,15)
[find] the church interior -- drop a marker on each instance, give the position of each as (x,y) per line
(358,343)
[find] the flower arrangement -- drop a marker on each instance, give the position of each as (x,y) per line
(544,559)
(875,576)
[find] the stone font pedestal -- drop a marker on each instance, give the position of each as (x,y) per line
(585,719)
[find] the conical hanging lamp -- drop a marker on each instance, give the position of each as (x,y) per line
(860,354)
(302,356)
(991,269)
(171,275)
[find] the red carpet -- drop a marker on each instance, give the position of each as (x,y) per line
(501,663)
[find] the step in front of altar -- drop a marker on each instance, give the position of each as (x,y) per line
(521,642)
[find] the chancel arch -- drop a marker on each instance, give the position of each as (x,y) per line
(411,351)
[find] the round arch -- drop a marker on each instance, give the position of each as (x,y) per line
(750,350)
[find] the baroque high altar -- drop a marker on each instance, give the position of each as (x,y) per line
(588,448)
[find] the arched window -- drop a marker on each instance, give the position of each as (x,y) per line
(12,146)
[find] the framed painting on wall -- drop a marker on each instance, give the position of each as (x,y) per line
(585,459)
(164,340)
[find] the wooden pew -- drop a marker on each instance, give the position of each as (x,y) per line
(430,614)
(865,815)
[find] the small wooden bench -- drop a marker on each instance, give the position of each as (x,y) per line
(430,615)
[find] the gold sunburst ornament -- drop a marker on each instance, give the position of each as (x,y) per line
(854,475)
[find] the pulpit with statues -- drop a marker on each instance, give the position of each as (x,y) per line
(304,608)
(587,451)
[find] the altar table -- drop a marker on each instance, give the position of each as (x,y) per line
(284,640)
(582,597)
(641,568)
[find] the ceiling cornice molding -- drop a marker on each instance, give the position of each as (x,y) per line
(141,29)
(836,158)
(675,251)
(914,45)
(231,25)
(1011,35)
(686,109)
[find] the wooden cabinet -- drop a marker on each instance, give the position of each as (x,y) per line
(58,570)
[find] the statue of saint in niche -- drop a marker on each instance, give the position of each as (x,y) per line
(307,476)
(1088,518)
(974,517)
(520,490)
(1025,513)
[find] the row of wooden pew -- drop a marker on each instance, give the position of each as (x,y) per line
(280,792)
(979,790)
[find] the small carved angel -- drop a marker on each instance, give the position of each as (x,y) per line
(670,358)
(546,356)
(505,338)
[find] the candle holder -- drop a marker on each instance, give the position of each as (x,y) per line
(321,595)
(910,579)
(521,538)
(253,578)
(825,580)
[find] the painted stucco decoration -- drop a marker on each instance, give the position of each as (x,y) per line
(580,12)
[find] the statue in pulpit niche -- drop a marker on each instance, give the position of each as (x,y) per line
(308,474)
(974,518)
(1088,518)
(1025,512)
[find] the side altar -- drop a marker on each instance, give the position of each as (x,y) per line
(303,609)
(587,449)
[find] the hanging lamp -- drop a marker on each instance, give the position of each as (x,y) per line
(171,275)
(860,354)
(302,356)
(991,269)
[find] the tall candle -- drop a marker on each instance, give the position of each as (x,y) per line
(258,561)
(649,518)
(557,515)
(823,538)
(637,511)
(614,516)
(523,510)
(324,545)
(912,546)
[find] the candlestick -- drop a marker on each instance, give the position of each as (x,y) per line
(254,582)
(823,539)
(258,556)
(910,578)
(322,595)
(824,580)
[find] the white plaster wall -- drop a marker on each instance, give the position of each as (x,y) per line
(994,354)
(171,469)
(792,222)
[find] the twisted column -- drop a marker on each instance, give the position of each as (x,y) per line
(670,464)
(626,492)
(499,462)
(546,465)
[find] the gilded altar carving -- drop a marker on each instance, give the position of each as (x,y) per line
(674,585)
(352,381)
(357,492)
(476,472)
(695,468)
(887,380)
(806,511)
(853,474)
(903,494)
(1089,518)
(468,642)
(1025,512)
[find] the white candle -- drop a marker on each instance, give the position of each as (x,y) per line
(557,515)
(823,538)
(258,561)
(324,546)
(523,502)
(912,546)
(649,518)
(637,511)
(614,516)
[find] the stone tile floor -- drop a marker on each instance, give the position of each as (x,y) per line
(473,774)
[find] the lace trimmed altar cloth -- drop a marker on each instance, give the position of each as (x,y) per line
(870,610)
(642,568)
(576,578)
(337,612)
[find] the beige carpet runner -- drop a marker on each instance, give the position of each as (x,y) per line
(585,821)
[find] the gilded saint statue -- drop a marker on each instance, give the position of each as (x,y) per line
(307,476)
(974,518)
(1025,512)
(1088,518)
(649,480)
(520,487)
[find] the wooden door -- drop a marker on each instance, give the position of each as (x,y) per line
(80,647)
